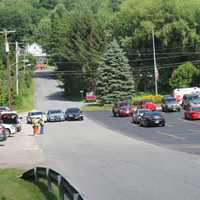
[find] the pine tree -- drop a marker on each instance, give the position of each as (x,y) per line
(114,76)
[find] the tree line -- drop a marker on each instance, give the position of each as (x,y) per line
(77,35)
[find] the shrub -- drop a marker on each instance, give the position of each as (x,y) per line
(154,98)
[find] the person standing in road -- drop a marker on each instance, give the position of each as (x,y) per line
(35,123)
(41,122)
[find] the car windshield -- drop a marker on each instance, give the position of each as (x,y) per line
(144,111)
(171,100)
(153,113)
(36,113)
(122,104)
(192,97)
(9,119)
(73,110)
(55,112)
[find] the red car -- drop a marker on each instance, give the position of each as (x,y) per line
(192,112)
(146,104)
(122,108)
(90,97)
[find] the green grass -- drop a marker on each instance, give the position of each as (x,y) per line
(14,188)
(27,102)
(96,107)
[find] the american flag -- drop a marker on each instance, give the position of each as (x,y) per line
(157,76)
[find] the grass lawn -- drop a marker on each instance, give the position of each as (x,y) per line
(96,107)
(14,188)
(27,103)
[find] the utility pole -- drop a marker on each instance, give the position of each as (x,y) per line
(155,65)
(17,67)
(5,33)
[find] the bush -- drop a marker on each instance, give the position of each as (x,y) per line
(154,98)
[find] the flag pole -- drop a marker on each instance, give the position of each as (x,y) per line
(155,65)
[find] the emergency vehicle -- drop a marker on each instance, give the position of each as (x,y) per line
(180,92)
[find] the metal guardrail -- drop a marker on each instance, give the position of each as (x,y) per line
(65,188)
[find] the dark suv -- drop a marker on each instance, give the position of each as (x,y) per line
(169,104)
(187,98)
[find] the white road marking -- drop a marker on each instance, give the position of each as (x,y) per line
(170,135)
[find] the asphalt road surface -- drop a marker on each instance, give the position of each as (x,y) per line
(178,134)
(106,165)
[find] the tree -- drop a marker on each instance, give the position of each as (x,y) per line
(114,77)
(185,75)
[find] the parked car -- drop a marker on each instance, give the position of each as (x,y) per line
(192,112)
(11,121)
(4,109)
(187,98)
(146,104)
(152,119)
(169,104)
(34,115)
(74,114)
(137,115)
(90,97)
(122,108)
(55,116)
(2,133)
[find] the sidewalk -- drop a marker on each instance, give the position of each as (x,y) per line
(21,150)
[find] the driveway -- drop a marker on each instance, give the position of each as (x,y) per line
(104,164)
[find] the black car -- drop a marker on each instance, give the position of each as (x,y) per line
(169,104)
(187,98)
(137,115)
(74,114)
(152,119)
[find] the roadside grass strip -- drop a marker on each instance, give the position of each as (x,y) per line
(96,107)
(14,188)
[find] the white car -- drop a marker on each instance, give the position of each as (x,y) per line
(10,121)
(9,129)
(34,115)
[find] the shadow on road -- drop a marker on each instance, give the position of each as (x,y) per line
(45,75)
(57,96)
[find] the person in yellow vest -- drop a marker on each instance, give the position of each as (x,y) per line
(35,123)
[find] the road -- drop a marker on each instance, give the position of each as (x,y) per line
(178,134)
(103,164)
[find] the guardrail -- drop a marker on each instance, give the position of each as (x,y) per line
(65,188)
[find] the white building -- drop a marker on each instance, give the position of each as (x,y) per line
(35,50)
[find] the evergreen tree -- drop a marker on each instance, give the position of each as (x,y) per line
(114,76)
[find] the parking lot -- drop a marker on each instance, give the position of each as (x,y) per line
(178,134)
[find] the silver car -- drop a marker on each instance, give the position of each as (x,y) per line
(55,116)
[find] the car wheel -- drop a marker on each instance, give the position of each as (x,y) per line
(82,118)
(141,124)
(8,133)
(114,114)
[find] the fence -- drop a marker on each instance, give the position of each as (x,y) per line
(65,188)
